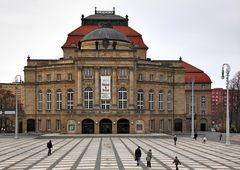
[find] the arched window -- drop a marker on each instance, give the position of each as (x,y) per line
(122,98)
(70,100)
(49,100)
(140,100)
(59,99)
(169,101)
(151,100)
(161,100)
(88,98)
(39,100)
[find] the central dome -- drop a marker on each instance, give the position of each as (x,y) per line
(105,33)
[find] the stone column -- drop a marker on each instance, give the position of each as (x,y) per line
(131,88)
(96,90)
(79,86)
(114,88)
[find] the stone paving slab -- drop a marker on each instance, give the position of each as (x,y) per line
(110,153)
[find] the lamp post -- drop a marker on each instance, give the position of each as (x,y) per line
(192,135)
(16,113)
(228,69)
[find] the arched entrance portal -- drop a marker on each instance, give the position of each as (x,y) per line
(30,125)
(123,126)
(88,126)
(105,126)
(178,125)
(203,125)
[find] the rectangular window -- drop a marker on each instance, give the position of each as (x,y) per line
(203,101)
(162,125)
(170,79)
(105,104)
(140,77)
(122,98)
(49,101)
(105,72)
(140,101)
(59,100)
(152,125)
(70,100)
(161,101)
(169,101)
(48,77)
(40,100)
(69,77)
(58,78)
(48,124)
(151,77)
(39,78)
(151,101)
(161,79)
(58,124)
(88,73)
(122,73)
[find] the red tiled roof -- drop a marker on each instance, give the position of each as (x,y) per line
(193,73)
(81,31)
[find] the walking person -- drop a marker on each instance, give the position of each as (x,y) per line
(49,146)
(204,139)
(176,162)
(220,136)
(138,155)
(195,135)
(175,139)
(149,157)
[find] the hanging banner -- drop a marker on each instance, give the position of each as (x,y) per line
(105,87)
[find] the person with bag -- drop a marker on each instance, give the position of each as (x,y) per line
(149,157)
(138,155)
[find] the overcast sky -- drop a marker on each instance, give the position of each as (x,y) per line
(205,33)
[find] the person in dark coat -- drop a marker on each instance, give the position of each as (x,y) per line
(49,146)
(195,136)
(220,136)
(175,139)
(176,162)
(138,155)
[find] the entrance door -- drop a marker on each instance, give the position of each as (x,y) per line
(20,127)
(88,126)
(123,126)
(178,125)
(30,125)
(203,126)
(105,126)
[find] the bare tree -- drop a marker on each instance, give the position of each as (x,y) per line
(7,102)
(234,101)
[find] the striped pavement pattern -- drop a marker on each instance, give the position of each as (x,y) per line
(109,153)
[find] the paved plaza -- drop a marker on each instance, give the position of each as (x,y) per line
(116,153)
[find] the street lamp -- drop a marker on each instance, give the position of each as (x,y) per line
(192,135)
(16,114)
(228,69)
